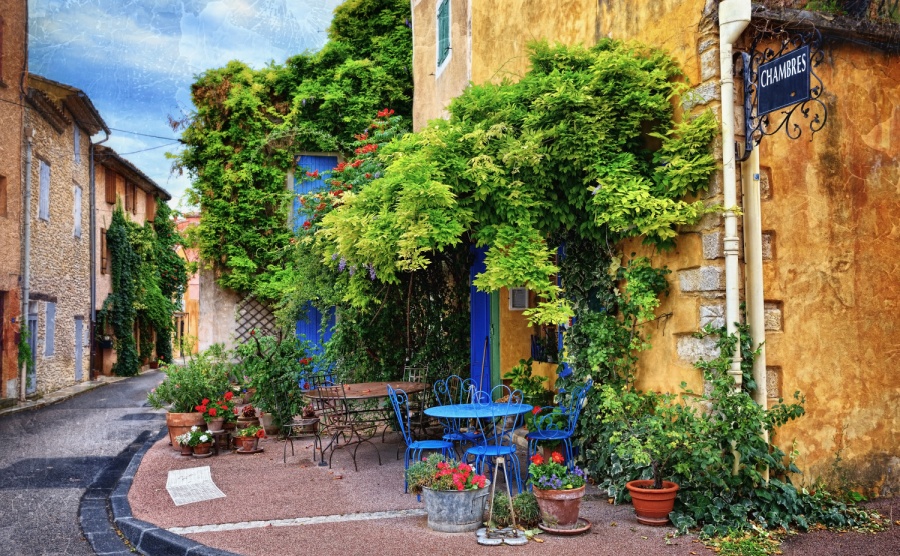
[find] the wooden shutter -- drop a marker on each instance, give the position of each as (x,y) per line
(110,186)
(50,332)
(151,207)
(104,255)
(443,29)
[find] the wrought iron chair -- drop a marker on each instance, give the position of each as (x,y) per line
(558,425)
(341,421)
(299,427)
(498,432)
(418,401)
(456,390)
(414,448)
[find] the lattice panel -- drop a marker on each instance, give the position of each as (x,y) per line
(254,314)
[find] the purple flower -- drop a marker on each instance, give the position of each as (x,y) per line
(342,264)
(371,272)
(352,270)
(334,256)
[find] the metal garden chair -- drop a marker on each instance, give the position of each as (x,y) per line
(450,391)
(414,448)
(498,433)
(341,421)
(558,425)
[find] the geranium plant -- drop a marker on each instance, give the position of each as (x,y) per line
(553,474)
(204,376)
(220,409)
(252,430)
(440,473)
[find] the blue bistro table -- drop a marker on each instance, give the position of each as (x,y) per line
(477,410)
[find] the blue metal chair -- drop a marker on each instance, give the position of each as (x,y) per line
(414,448)
(498,433)
(558,425)
(450,391)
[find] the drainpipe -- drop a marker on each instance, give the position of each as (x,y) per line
(93,256)
(754,278)
(26,251)
(734,16)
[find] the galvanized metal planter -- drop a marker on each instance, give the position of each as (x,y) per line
(455,511)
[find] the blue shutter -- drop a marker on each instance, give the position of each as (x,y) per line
(44,195)
(480,315)
(76,136)
(323,164)
(443,29)
(310,328)
(50,333)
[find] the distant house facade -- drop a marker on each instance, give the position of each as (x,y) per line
(187,321)
(13,64)
(59,308)
(117,181)
(818,271)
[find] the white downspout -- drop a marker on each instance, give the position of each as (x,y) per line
(734,16)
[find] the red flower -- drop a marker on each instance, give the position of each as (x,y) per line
(313,174)
(260,433)
(212,412)
(200,408)
(536,410)
(537,459)
(205,401)
(557,457)
(228,396)
(307,224)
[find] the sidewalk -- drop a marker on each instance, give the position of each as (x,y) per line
(298,507)
(60,395)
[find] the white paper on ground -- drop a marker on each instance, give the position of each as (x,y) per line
(192,485)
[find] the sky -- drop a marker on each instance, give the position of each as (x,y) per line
(136,59)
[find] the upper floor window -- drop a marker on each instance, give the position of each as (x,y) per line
(130,205)
(110,186)
(44,195)
(76,211)
(443,32)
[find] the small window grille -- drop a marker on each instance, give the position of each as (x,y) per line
(518,299)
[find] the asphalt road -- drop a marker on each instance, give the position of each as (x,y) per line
(50,457)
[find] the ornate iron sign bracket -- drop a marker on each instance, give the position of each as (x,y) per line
(812,109)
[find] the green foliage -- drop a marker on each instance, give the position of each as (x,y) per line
(528,514)
(25,356)
(185,386)
(248,124)
(119,310)
(532,387)
(275,367)
(173,278)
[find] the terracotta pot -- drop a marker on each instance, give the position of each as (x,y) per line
(246,443)
(244,423)
(186,450)
(216,424)
(180,423)
(559,508)
(267,422)
(202,449)
(651,505)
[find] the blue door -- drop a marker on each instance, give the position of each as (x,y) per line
(480,329)
(310,328)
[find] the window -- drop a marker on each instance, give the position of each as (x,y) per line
(110,183)
(44,198)
(129,197)
(3,196)
(76,135)
(104,254)
(76,211)
(151,208)
(50,334)
(443,32)
(518,299)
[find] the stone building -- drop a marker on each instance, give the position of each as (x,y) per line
(63,119)
(13,64)
(116,181)
(814,253)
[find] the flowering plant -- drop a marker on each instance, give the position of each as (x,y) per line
(223,408)
(252,430)
(553,474)
(183,439)
(248,412)
(439,473)
(198,436)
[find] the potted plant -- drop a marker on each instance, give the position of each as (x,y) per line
(186,386)
(247,417)
(247,438)
(216,413)
(558,491)
(201,442)
(652,431)
(454,494)
(307,422)
(184,441)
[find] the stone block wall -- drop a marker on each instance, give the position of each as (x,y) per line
(59,260)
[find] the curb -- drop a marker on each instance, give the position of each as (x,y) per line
(145,537)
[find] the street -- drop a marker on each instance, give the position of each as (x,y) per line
(51,456)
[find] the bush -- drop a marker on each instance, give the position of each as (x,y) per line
(185,386)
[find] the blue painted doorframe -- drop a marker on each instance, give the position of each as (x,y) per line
(484,310)
(310,328)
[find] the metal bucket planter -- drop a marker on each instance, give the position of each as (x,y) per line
(455,511)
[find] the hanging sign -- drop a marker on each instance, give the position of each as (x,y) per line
(783,81)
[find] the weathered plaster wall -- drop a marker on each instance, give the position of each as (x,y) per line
(433,88)
(59,260)
(11,145)
(218,308)
(831,209)
(499,42)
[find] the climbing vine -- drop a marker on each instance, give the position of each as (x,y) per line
(248,125)
(119,310)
